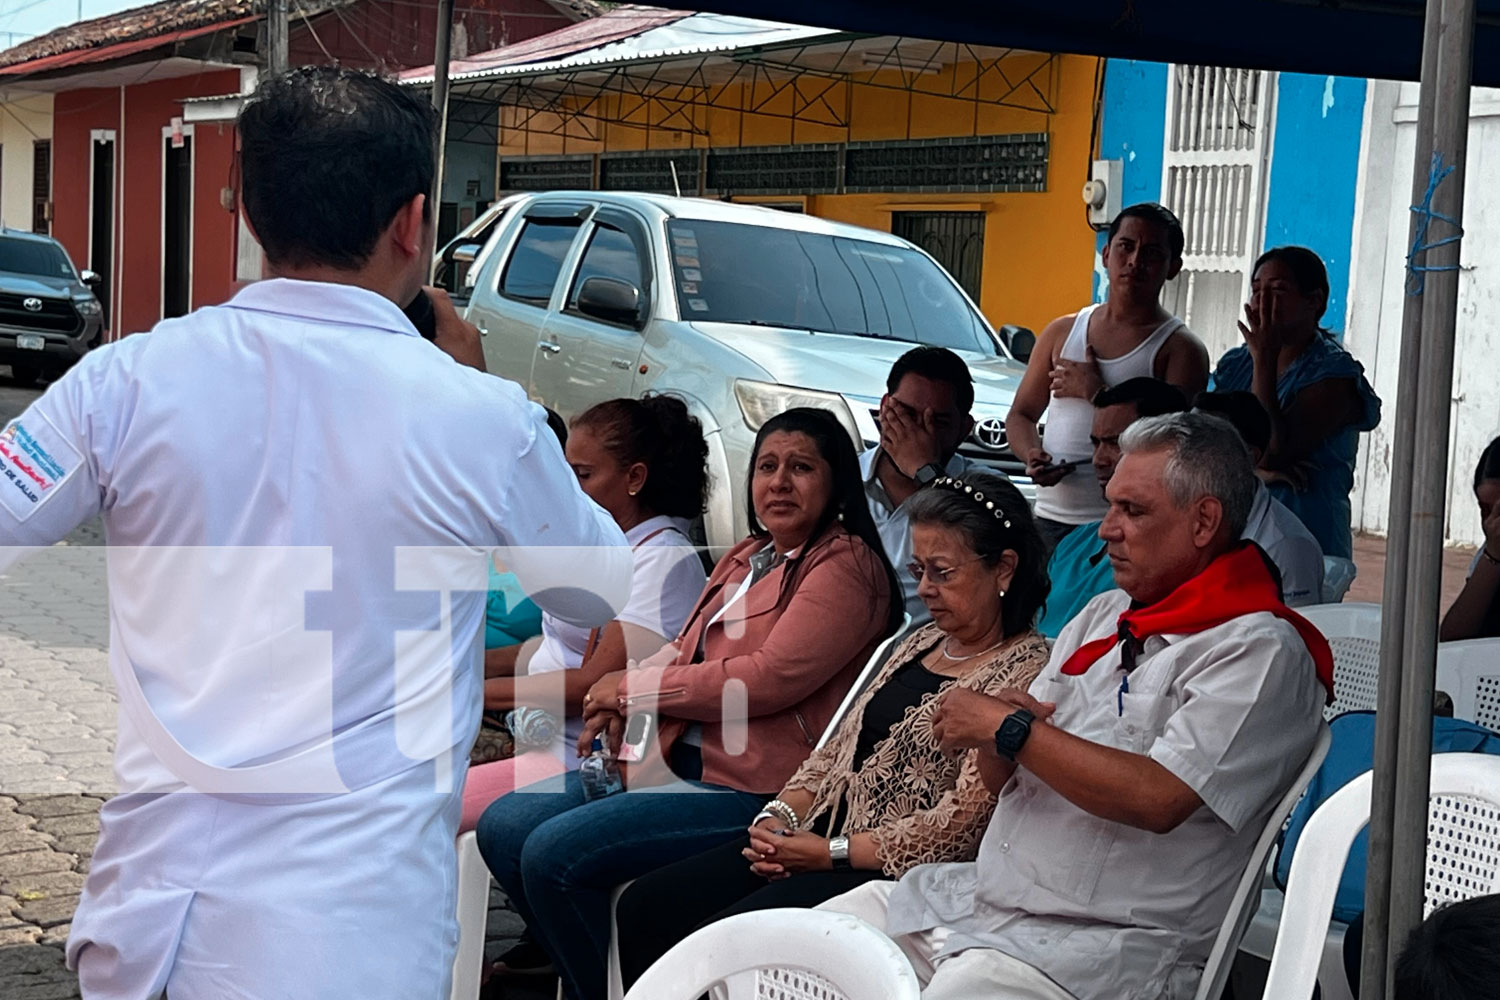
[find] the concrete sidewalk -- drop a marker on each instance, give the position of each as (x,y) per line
(1369,583)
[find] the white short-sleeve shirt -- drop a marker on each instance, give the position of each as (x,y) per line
(1105,909)
(305,450)
(667,582)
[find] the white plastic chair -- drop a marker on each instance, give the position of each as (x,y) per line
(1353,632)
(615,985)
(473,918)
(1470,672)
(1463,859)
(784,954)
(1247,895)
(1338,577)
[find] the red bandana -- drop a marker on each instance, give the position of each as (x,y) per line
(1237,583)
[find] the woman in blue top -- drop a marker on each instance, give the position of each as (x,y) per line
(1314,390)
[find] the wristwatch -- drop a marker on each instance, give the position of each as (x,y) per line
(927,473)
(838,853)
(1012,734)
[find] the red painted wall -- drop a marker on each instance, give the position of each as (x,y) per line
(399,34)
(385,34)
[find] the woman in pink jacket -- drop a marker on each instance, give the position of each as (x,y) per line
(784,625)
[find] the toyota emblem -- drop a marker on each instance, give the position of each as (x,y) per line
(990,432)
(32,304)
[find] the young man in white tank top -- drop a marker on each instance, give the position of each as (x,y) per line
(1127,336)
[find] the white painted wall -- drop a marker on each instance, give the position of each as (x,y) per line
(24,118)
(1378,290)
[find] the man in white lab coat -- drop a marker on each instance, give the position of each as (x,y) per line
(298,491)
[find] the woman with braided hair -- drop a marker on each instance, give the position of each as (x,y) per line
(646,463)
(879,797)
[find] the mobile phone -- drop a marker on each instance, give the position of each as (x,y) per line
(419,312)
(1057,467)
(637,735)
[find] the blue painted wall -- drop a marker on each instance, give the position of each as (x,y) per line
(1314,160)
(1314,169)
(1133,130)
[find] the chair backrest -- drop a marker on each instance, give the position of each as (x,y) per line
(1353,633)
(866,675)
(1247,894)
(1338,575)
(1463,859)
(1470,672)
(782,954)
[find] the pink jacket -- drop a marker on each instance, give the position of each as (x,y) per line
(784,657)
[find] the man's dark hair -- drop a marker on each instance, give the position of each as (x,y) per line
(1157,215)
(1151,397)
(327,158)
(1454,954)
(940,365)
(1241,409)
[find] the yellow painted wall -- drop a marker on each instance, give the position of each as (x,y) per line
(1038,250)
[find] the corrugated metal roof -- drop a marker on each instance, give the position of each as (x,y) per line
(674,35)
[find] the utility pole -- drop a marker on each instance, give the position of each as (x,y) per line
(442,52)
(276,37)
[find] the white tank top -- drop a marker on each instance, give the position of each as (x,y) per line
(1077,499)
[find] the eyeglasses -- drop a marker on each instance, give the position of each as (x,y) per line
(940,576)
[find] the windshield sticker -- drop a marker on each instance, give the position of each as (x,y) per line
(34,461)
(687,261)
(698,305)
(689,288)
(692,274)
(684,239)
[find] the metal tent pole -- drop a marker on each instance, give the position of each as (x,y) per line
(441,54)
(1392,618)
(1450,133)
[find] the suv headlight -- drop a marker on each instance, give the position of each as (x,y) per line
(760,401)
(87,307)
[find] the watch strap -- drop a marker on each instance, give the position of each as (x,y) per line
(838,853)
(927,473)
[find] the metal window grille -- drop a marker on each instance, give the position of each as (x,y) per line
(650,171)
(547,173)
(983,163)
(41,186)
(810,169)
(954,239)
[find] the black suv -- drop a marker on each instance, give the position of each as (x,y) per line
(49,317)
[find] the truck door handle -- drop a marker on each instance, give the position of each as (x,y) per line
(550,348)
(620,363)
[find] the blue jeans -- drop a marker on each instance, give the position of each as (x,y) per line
(558,857)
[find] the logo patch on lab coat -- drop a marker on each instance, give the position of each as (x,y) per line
(34,461)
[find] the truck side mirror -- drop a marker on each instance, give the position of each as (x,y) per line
(1018,340)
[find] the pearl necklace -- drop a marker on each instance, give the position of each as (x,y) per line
(959,659)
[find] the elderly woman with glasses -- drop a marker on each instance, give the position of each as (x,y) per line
(880,797)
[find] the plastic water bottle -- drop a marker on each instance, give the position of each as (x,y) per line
(600,773)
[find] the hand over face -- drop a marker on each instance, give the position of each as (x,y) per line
(778,855)
(907,437)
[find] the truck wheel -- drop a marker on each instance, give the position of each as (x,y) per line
(25,372)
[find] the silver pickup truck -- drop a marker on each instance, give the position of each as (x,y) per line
(742,311)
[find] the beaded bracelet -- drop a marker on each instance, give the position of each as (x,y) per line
(785,813)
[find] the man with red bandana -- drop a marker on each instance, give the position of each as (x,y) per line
(1138,771)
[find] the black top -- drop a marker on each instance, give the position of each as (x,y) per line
(887,707)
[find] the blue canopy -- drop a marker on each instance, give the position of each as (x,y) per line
(1373,38)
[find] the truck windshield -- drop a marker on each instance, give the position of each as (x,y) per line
(728,272)
(32,257)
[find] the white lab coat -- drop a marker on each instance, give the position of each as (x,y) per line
(271,473)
